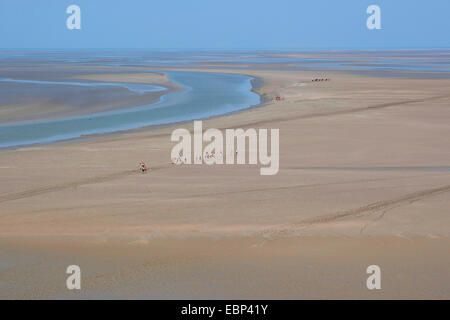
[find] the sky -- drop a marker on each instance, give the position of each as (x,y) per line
(226,24)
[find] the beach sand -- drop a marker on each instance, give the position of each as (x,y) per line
(364,179)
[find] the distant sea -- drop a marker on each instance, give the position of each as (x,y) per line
(203,95)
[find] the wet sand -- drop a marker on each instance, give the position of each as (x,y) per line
(27,102)
(225,231)
(222,268)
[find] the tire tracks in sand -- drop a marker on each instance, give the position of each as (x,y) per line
(71,184)
(384,205)
(256,123)
(346,111)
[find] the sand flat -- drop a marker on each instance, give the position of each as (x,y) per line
(227,232)
(54,104)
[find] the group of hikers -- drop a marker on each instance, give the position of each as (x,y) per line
(180,159)
(315,80)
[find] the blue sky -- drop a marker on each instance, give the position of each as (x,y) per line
(226,24)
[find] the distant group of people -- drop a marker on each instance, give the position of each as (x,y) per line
(179,160)
(322,79)
(182,159)
(213,155)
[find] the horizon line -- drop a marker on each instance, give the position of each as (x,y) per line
(232,49)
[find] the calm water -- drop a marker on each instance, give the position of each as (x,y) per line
(203,95)
(139,88)
(384,60)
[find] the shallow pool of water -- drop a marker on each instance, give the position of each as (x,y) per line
(203,95)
